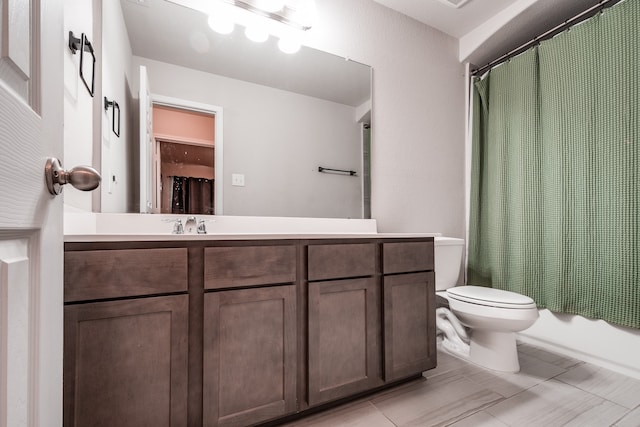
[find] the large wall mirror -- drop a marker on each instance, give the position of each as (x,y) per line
(251,124)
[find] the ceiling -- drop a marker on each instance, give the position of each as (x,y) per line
(487,29)
(455,22)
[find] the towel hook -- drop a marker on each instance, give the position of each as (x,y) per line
(115,106)
(84,45)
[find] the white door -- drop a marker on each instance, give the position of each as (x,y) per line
(31,247)
(147,146)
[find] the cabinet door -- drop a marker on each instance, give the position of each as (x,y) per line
(409,324)
(126,362)
(344,344)
(249,372)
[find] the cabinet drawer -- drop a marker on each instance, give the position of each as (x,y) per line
(249,265)
(90,275)
(405,257)
(341,261)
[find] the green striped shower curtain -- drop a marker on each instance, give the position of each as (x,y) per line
(555,179)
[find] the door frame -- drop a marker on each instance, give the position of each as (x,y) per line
(218,151)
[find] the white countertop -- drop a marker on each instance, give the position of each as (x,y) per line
(155,237)
(98,227)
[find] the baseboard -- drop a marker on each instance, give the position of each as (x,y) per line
(606,363)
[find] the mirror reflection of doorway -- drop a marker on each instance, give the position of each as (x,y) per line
(184,160)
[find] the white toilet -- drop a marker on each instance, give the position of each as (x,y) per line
(493,316)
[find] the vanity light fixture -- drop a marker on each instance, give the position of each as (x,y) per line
(270,5)
(220,24)
(289,45)
(222,17)
(285,19)
(256,31)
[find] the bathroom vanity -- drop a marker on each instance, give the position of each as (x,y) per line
(239,331)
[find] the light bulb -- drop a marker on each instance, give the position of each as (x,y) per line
(256,33)
(289,45)
(220,24)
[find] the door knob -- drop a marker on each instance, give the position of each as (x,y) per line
(81,177)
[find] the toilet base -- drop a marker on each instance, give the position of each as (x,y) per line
(494,350)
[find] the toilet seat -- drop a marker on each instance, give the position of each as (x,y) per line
(490,297)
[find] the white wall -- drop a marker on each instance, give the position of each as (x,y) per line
(277,139)
(418,112)
(78,103)
(116,81)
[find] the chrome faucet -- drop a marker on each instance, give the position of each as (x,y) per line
(190,219)
(178,228)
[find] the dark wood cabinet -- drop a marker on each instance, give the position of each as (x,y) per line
(344,344)
(409,308)
(231,267)
(340,261)
(409,324)
(125,349)
(249,372)
(125,362)
(240,332)
(102,274)
(407,257)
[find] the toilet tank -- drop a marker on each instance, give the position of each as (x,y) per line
(448,258)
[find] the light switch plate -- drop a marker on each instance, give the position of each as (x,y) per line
(237,179)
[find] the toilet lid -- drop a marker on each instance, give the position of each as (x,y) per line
(490,297)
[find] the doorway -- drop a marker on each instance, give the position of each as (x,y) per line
(185,153)
(187,162)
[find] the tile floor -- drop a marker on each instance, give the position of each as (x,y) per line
(550,390)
